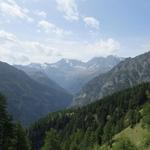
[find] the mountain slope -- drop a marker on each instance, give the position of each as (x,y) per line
(137,136)
(73,74)
(127,73)
(38,75)
(96,123)
(27,99)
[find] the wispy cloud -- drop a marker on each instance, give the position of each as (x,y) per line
(68,8)
(40,13)
(70,12)
(92,22)
(5,36)
(87,50)
(18,51)
(11,8)
(49,27)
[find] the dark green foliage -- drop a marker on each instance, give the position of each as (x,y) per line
(133,117)
(6,127)
(124,144)
(12,136)
(96,123)
(108,132)
(52,141)
(146,124)
(20,139)
(146,115)
(146,141)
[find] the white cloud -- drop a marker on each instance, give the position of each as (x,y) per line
(5,36)
(46,25)
(68,8)
(41,13)
(49,27)
(11,8)
(92,22)
(85,50)
(103,47)
(16,51)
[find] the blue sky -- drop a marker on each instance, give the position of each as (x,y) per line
(48,30)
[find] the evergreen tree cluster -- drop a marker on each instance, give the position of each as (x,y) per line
(93,125)
(12,135)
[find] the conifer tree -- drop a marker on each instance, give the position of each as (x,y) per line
(52,141)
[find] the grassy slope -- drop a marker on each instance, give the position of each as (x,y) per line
(135,135)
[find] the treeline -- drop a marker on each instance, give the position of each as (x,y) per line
(12,135)
(93,125)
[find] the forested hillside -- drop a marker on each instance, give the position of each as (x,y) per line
(12,135)
(93,127)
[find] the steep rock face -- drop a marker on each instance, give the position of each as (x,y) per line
(73,74)
(127,73)
(27,99)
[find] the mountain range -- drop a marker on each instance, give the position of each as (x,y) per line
(72,74)
(34,90)
(28,99)
(130,72)
(122,95)
(37,89)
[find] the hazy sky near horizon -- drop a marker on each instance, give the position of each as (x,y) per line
(48,30)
